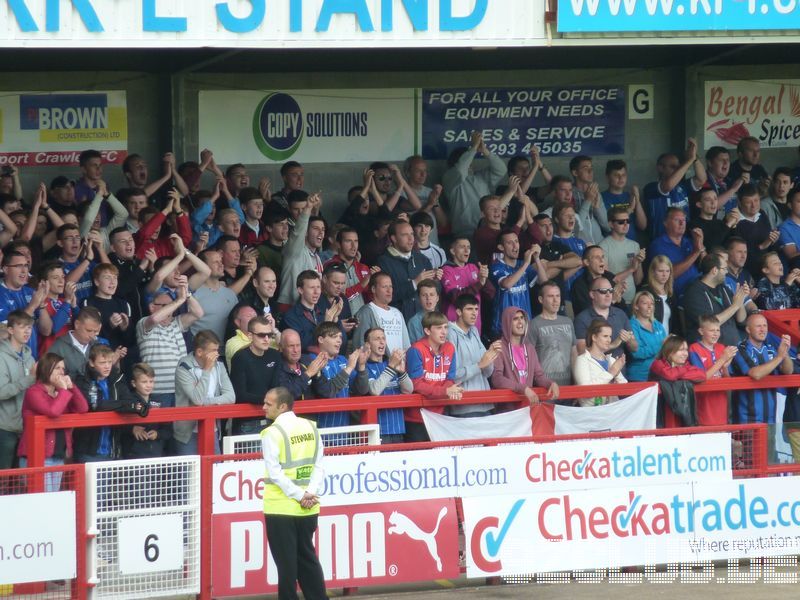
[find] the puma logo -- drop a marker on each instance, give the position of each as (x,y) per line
(401,525)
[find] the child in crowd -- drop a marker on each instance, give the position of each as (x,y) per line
(145,441)
(714,358)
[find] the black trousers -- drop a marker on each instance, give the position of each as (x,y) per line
(291,541)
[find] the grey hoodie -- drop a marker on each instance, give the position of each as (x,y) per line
(14,380)
(469,350)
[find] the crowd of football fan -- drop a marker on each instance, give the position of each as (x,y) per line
(202,287)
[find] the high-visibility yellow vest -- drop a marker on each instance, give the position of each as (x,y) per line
(298,450)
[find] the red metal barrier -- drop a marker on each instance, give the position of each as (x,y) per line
(785,322)
(367,406)
(32,481)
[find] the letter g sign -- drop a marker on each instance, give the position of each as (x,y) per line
(640,101)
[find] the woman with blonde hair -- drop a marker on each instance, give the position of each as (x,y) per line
(660,281)
(649,333)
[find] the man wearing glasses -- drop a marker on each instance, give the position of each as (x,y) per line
(15,294)
(710,296)
(600,293)
(254,371)
(623,255)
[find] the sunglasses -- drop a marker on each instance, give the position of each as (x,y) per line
(383,177)
(263,334)
(603,290)
(622,221)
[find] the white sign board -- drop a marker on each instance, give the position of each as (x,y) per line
(271,23)
(499,470)
(632,525)
(308,126)
(37,538)
(150,544)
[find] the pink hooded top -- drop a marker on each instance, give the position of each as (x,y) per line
(506,374)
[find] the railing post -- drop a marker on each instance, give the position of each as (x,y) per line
(35,442)
(206,431)
(206,484)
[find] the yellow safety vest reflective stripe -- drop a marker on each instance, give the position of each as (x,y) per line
(298,448)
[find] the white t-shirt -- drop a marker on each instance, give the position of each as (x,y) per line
(393,325)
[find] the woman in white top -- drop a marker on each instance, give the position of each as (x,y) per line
(596,365)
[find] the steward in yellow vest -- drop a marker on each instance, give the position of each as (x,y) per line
(293,451)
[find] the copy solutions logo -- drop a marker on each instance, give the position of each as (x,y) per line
(278,126)
(489,534)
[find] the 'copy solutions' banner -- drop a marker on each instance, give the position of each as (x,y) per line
(561,121)
(309,126)
(767,110)
(632,525)
(41,129)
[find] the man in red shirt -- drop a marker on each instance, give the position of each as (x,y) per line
(151,221)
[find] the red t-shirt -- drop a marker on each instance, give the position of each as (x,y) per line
(712,407)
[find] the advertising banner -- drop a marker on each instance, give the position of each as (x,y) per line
(52,129)
(37,539)
(270,23)
(309,126)
(561,121)
(767,110)
(575,16)
(365,545)
(509,469)
(631,525)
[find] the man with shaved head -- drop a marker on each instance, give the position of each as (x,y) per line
(302,377)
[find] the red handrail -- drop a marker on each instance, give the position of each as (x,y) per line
(368,406)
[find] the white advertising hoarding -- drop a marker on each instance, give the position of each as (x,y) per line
(766,110)
(632,525)
(498,470)
(308,126)
(271,23)
(37,539)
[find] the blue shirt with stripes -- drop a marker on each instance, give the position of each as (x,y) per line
(390,420)
(754,406)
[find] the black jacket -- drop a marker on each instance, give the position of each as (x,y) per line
(402,270)
(120,399)
(133,448)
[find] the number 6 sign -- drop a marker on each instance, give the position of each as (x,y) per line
(150,544)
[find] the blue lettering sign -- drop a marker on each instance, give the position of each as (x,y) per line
(243,24)
(295,15)
(152,22)
(356,7)
(22,15)
(675,15)
(63,111)
(26,23)
(84,9)
(449,22)
(417,11)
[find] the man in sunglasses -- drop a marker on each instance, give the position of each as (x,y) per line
(594,267)
(623,255)
(254,371)
(600,293)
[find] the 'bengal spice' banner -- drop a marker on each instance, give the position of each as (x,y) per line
(767,110)
(364,545)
